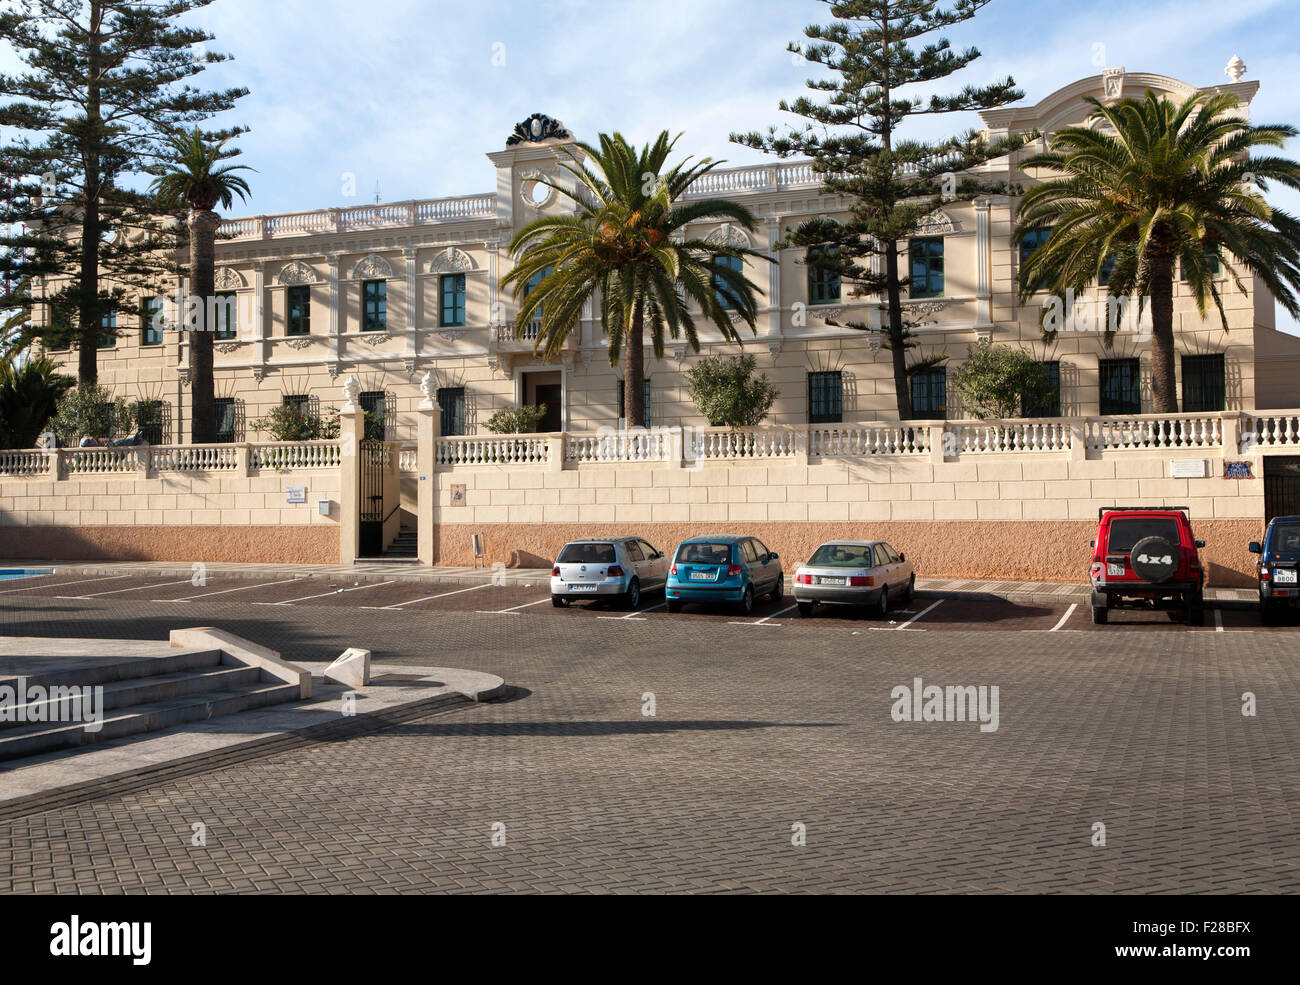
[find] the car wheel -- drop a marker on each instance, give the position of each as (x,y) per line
(882,606)
(1195,609)
(778,592)
(910,590)
(1269,614)
(673,606)
(747,601)
(632,597)
(559,602)
(806,609)
(1100,614)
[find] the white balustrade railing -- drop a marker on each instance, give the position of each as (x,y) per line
(512,449)
(1173,431)
(408,460)
(854,440)
(750,443)
(1270,431)
(1011,436)
(24,462)
(359,217)
(101,461)
(295,455)
(192,458)
(655,445)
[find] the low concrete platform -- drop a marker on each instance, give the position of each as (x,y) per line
(395,694)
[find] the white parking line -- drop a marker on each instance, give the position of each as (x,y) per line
(119,591)
(1065,618)
(515,608)
(426,598)
(29,588)
(339,591)
(775,614)
(933,605)
(1218,620)
(226,591)
(634,615)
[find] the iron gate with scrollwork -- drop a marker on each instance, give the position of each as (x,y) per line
(373,461)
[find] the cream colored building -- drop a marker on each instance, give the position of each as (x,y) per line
(427,273)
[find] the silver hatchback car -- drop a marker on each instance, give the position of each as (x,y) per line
(608,568)
(854,572)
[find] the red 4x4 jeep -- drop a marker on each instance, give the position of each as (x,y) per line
(1146,555)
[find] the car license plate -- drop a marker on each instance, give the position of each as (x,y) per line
(830,581)
(1284,576)
(701,576)
(1115,569)
(582,588)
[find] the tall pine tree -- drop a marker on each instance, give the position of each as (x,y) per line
(853,140)
(104,86)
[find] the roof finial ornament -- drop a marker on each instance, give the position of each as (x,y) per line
(1235,69)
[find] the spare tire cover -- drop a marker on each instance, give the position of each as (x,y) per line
(1154,559)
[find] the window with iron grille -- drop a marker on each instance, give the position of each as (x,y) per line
(1204,383)
(230,419)
(1121,386)
(930,395)
(925,258)
(150,315)
(823,284)
(301,402)
(825,397)
(374,305)
(375,405)
(298,310)
(153,417)
(1216,265)
(1051,407)
(226,316)
(1030,244)
(451,289)
(452,401)
(726,296)
(108,329)
(645,391)
(1107,268)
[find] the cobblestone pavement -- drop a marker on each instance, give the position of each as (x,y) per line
(757,728)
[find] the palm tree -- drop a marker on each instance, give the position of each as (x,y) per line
(29,396)
(627,245)
(1163,184)
(195,176)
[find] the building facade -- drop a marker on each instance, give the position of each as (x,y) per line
(390,292)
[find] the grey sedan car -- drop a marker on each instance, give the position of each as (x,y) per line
(854,572)
(617,569)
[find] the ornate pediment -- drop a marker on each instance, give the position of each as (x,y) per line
(729,235)
(451,261)
(537,128)
(228,279)
(296,272)
(938,223)
(372,267)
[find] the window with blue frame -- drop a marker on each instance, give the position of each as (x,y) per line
(1029,245)
(226,312)
(1121,386)
(823,284)
(925,258)
(374,306)
(150,316)
(535,325)
(451,289)
(645,395)
(1204,383)
(298,310)
(1216,265)
(108,329)
(1107,268)
(1051,406)
(451,399)
(726,297)
(930,394)
(230,419)
(825,397)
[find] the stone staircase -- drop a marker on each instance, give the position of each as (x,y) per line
(144,693)
(405,545)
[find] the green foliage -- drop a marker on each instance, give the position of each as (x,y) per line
(91,411)
(852,137)
(727,393)
(516,420)
(193,173)
(287,423)
(996,381)
(29,395)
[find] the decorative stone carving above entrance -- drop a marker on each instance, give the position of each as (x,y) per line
(728,235)
(537,128)
(296,272)
(228,279)
(938,223)
(372,267)
(451,261)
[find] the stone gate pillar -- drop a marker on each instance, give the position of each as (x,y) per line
(352,428)
(428,431)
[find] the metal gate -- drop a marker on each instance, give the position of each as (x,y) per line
(373,460)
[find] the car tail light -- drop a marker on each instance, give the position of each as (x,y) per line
(614,571)
(673,570)
(1097,570)
(734,570)
(862,581)
(1265,574)
(555,572)
(802,579)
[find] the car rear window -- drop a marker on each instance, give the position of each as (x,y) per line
(841,556)
(587,554)
(1286,538)
(1127,531)
(704,554)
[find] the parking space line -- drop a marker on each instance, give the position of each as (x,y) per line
(1218,620)
(775,614)
(515,608)
(10,591)
(1065,618)
(427,598)
(226,591)
(933,605)
(119,591)
(633,615)
(340,591)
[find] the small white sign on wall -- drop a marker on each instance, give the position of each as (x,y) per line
(1188,468)
(295,494)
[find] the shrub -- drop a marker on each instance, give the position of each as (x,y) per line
(29,396)
(996,381)
(287,423)
(726,392)
(91,411)
(516,420)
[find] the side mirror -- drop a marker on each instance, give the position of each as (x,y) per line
(1200,543)
(902,556)
(773,556)
(1092,543)
(1256,547)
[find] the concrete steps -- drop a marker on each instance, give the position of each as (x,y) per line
(139,694)
(405,545)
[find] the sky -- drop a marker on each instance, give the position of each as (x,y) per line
(406,97)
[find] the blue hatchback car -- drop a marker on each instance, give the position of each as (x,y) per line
(723,568)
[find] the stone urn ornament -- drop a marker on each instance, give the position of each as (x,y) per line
(351,392)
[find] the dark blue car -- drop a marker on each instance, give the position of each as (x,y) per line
(1278,568)
(723,568)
